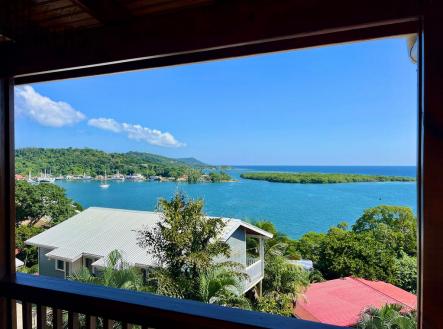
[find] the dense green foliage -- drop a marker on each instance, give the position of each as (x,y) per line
(186,244)
(381,245)
(117,273)
(405,270)
(319,178)
(33,202)
(95,162)
(389,316)
(286,246)
(28,254)
(221,176)
(283,282)
(36,201)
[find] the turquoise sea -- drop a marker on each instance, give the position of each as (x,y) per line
(294,208)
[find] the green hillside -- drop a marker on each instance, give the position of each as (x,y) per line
(92,162)
(193,162)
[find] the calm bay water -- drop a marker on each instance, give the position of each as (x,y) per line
(294,208)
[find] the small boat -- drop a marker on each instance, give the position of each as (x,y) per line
(45,178)
(86,177)
(30,180)
(118,177)
(104,183)
(135,177)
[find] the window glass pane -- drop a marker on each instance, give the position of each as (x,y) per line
(282,183)
(60,265)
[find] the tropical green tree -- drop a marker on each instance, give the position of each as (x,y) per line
(36,201)
(346,253)
(310,245)
(28,254)
(117,273)
(283,283)
(275,303)
(392,224)
(380,246)
(405,270)
(390,316)
(286,245)
(221,176)
(185,244)
(223,286)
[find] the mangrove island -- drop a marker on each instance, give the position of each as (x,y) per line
(321,178)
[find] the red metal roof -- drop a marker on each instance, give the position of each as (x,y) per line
(341,301)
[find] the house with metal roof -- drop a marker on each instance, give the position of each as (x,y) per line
(86,239)
(340,302)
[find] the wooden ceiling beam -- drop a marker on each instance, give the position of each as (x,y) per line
(105,11)
(220,26)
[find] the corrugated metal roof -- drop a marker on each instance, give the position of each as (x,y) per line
(98,231)
(341,301)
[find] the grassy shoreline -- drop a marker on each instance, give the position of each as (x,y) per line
(320,178)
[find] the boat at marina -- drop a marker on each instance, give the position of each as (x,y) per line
(30,180)
(135,177)
(45,178)
(117,176)
(104,184)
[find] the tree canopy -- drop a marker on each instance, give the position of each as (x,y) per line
(36,201)
(185,244)
(382,245)
(321,178)
(388,316)
(65,161)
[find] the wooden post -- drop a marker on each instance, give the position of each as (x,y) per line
(7,206)
(262,254)
(431,173)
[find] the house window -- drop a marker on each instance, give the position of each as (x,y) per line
(60,265)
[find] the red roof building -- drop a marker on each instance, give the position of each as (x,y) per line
(19,177)
(341,301)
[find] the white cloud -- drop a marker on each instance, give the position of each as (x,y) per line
(106,124)
(44,110)
(137,132)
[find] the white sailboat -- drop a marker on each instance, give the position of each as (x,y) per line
(45,178)
(104,183)
(30,180)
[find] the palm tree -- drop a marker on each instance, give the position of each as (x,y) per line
(388,316)
(223,286)
(117,273)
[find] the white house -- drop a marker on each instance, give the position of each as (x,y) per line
(87,238)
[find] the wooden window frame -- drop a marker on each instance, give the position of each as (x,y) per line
(372,19)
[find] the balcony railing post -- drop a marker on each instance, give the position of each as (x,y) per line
(57,319)
(41,317)
(7,205)
(262,255)
(73,321)
(26,315)
(108,324)
(91,322)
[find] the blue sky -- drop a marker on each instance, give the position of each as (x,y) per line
(352,104)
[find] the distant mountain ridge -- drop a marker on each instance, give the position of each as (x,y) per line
(193,162)
(65,161)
